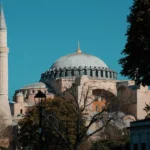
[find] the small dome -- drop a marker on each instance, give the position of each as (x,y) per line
(19,94)
(78,60)
(37,85)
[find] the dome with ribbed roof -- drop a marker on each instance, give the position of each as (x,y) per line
(79,60)
(78,64)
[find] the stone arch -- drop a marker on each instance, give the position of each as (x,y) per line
(104,94)
(107,85)
(101,98)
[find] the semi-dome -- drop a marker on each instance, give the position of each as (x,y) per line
(79,60)
(35,86)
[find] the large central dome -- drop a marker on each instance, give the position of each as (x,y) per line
(76,65)
(77,60)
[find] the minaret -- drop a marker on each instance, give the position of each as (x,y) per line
(4,103)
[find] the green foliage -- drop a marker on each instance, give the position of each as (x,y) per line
(58,115)
(114,139)
(110,145)
(147,109)
(136,64)
(3,148)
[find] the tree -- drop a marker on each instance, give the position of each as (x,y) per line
(83,97)
(116,139)
(58,117)
(6,136)
(147,110)
(135,62)
(69,120)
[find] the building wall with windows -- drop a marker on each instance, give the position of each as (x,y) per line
(140,135)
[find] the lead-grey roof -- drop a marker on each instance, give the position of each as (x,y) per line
(78,60)
(37,85)
(2,18)
(19,94)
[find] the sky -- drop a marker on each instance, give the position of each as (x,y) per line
(41,31)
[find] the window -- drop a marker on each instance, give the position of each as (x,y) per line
(66,73)
(55,74)
(20,111)
(110,75)
(85,72)
(135,146)
(97,108)
(60,73)
(96,73)
(114,75)
(143,146)
(72,72)
(106,74)
(91,73)
(101,73)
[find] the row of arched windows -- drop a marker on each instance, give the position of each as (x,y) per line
(76,73)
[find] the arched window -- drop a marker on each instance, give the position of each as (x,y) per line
(20,111)
(91,73)
(66,73)
(96,73)
(60,73)
(101,73)
(114,75)
(85,72)
(72,72)
(97,108)
(55,74)
(106,74)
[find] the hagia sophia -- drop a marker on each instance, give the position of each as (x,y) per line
(77,67)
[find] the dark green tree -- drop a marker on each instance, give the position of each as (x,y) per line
(136,59)
(58,126)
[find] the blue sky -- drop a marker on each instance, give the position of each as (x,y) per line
(41,31)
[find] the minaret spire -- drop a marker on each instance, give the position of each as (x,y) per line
(4,104)
(2,18)
(78,50)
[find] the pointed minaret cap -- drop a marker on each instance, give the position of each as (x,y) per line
(78,50)
(2,18)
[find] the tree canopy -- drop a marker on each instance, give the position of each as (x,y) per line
(136,54)
(58,115)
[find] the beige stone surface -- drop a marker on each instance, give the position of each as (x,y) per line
(134,97)
(4,104)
